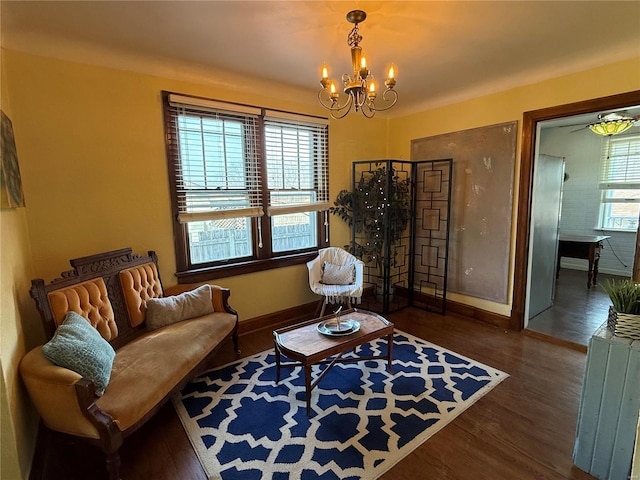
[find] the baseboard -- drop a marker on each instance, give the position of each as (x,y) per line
(484,316)
(275,320)
(300,313)
(433,304)
(615,273)
(585,268)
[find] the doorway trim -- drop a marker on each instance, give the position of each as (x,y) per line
(523,221)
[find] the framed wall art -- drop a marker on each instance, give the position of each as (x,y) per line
(11,195)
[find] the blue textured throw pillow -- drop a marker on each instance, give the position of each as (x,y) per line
(78,346)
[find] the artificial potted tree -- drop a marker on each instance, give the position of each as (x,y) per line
(624,313)
(378,210)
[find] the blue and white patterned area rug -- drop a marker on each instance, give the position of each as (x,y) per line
(364,419)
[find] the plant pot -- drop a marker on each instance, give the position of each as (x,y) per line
(625,325)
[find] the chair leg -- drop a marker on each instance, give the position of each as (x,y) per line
(324,304)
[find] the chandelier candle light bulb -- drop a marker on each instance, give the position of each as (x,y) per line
(334,93)
(372,91)
(360,91)
(390,82)
(364,71)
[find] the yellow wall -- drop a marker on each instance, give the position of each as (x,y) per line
(351,139)
(508,106)
(19,329)
(95,169)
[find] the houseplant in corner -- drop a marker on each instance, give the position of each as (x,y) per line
(379,212)
(624,313)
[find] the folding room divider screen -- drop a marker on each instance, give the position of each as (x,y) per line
(400,229)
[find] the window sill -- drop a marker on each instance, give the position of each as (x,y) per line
(211,273)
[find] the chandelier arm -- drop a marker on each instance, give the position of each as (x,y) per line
(337,108)
(368,109)
(334,106)
(384,97)
(347,110)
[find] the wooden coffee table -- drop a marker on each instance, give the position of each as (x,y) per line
(304,344)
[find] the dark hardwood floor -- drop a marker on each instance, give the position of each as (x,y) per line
(577,311)
(523,429)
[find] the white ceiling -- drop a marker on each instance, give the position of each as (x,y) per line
(445,51)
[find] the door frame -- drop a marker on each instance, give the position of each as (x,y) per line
(527,157)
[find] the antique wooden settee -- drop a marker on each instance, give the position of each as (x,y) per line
(111,290)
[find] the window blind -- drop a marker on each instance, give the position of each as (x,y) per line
(296,150)
(217,169)
(621,163)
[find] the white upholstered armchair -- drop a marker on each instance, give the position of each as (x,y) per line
(337,276)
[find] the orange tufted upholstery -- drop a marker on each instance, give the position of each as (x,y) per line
(138,285)
(149,366)
(88,299)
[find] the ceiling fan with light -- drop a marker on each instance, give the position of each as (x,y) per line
(609,124)
(613,123)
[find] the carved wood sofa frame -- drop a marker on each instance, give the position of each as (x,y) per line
(108,266)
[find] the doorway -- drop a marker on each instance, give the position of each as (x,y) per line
(531,126)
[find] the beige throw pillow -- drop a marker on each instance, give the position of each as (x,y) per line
(338,274)
(168,310)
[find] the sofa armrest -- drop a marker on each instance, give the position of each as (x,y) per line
(219,295)
(53,390)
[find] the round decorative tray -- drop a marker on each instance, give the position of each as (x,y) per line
(333,329)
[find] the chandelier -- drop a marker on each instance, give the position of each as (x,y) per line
(360,90)
(612,124)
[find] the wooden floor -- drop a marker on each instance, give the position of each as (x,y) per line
(577,311)
(523,429)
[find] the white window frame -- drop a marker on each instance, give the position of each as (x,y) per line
(619,181)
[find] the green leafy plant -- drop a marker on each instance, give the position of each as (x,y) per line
(624,294)
(380,196)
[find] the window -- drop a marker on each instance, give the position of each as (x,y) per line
(249,186)
(620,183)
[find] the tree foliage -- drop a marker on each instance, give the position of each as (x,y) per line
(378,209)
